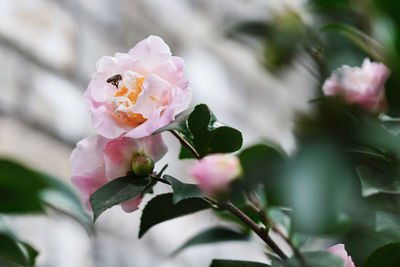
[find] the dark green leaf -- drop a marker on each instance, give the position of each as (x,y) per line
(214,235)
(11,253)
(14,252)
(31,253)
(233,263)
(185,153)
(161,208)
(115,192)
(209,136)
(261,163)
(20,188)
(317,259)
(388,256)
(253,28)
(374,180)
(183,191)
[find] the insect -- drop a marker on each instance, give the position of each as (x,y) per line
(115,79)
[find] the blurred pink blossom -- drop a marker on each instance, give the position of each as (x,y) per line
(214,173)
(149,91)
(97,160)
(339,251)
(363,86)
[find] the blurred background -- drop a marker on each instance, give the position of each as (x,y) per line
(48,51)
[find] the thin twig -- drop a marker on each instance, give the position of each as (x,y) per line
(185,143)
(266,219)
(260,231)
(154,177)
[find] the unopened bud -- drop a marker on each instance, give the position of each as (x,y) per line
(142,164)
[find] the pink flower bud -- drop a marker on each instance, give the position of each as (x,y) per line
(363,86)
(214,173)
(135,93)
(339,251)
(96,160)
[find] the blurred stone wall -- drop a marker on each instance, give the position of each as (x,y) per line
(48,50)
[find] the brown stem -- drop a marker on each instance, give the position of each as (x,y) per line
(260,231)
(185,143)
(266,219)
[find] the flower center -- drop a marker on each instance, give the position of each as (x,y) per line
(124,100)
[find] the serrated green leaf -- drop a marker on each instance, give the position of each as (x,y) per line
(182,190)
(374,181)
(214,235)
(388,256)
(316,259)
(234,263)
(115,192)
(161,208)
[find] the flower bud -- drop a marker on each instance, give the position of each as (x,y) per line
(142,164)
(360,85)
(214,173)
(340,251)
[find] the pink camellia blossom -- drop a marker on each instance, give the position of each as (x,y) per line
(97,160)
(214,173)
(136,93)
(363,86)
(340,251)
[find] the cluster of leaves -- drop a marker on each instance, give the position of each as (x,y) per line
(26,191)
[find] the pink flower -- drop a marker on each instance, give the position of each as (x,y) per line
(363,86)
(339,251)
(214,173)
(97,160)
(145,90)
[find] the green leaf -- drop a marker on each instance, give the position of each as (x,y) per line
(20,188)
(233,263)
(317,190)
(388,256)
(209,136)
(179,124)
(201,129)
(25,190)
(183,191)
(374,180)
(214,235)
(392,125)
(365,42)
(262,164)
(62,198)
(388,223)
(317,259)
(115,192)
(161,208)
(14,252)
